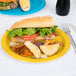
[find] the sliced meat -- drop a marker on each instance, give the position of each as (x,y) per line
(59,42)
(13,5)
(17,48)
(38,43)
(21,50)
(50,37)
(17,39)
(39,38)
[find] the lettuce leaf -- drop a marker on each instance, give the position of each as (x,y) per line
(10,33)
(30,31)
(15,32)
(44,31)
(54,29)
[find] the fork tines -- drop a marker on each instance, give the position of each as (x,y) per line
(66,28)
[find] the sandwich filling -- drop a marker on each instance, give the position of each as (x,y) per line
(35,37)
(38,37)
(26,34)
(8,5)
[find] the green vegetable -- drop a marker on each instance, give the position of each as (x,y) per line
(18,32)
(11,33)
(0,3)
(54,29)
(15,32)
(31,31)
(4,4)
(45,31)
(8,3)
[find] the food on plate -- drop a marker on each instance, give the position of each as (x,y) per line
(33,36)
(8,4)
(25,5)
(33,48)
(49,49)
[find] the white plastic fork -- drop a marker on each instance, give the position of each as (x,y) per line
(67,31)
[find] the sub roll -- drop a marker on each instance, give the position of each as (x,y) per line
(31,37)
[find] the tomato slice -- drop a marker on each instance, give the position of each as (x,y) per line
(52,34)
(31,37)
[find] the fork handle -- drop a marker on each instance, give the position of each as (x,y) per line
(72,41)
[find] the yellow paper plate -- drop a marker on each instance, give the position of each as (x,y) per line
(62,36)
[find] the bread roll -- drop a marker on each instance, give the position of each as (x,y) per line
(25,5)
(35,22)
(8,0)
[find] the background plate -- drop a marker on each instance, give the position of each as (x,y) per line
(62,36)
(36,5)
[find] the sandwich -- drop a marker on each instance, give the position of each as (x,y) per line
(29,37)
(8,4)
(25,5)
